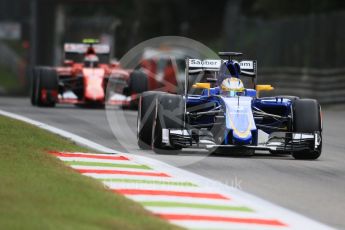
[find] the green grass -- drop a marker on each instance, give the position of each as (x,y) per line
(38,191)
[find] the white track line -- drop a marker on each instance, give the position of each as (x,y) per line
(118,185)
(85,159)
(134,177)
(294,220)
(162,198)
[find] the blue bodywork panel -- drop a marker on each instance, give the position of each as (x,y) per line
(239,118)
(240,123)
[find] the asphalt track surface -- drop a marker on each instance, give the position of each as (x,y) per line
(315,189)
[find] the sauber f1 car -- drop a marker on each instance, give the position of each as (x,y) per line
(216,112)
(84,78)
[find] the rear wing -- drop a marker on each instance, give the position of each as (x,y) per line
(248,68)
(75,51)
(195,66)
(80,48)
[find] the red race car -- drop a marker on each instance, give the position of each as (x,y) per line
(84,79)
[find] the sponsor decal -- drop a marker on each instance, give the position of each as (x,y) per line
(196,63)
(247,65)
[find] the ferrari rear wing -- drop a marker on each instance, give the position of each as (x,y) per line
(76,51)
(81,48)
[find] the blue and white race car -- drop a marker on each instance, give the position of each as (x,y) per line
(218,113)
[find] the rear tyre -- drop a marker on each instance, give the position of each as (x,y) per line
(46,87)
(146,115)
(307,119)
(169,114)
(137,84)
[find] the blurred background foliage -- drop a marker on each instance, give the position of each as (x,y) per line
(272,9)
(284,33)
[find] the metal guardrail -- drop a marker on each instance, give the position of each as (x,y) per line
(325,85)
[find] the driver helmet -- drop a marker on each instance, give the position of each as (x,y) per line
(91,60)
(232,87)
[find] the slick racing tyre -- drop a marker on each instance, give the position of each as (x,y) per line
(146,115)
(46,86)
(169,114)
(307,119)
(137,84)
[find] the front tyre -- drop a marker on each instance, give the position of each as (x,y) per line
(169,114)
(307,119)
(146,115)
(137,84)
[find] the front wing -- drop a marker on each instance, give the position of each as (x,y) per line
(277,141)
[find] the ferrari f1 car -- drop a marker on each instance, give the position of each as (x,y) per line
(219,114)
(84,78)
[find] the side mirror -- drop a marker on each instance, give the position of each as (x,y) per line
(68,62)
(201,85)
(264,88)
